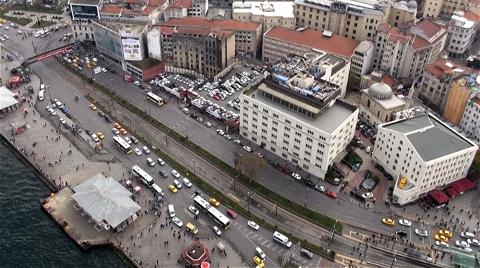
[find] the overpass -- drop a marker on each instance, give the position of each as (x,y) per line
(47,54)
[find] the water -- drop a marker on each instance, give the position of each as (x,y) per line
(29,237)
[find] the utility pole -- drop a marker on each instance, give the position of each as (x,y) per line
(334,229)
(394,258)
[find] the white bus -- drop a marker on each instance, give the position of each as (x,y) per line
(146,179)
(122,144)
(221,219)
(154,98)
(282,239)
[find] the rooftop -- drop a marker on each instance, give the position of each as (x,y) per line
(232,25)
(84,2)
(7,98)
(105,200)
(394,34)
(111,9)
(443,69)
(430,137)
(327,121)
(117,26)
(265,8)
(472,16)
(145,63)
(428,30)
(355,6)
(388,103)
(181,4)
(458,20)
(334,44)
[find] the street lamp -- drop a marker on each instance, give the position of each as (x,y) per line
(334,229)
(394,258)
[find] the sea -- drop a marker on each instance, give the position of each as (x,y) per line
(28,236)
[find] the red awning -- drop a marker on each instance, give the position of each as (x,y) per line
(463,185)
(439,197)
(451,192)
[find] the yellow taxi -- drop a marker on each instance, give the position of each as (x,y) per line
(191,228)
(100,135)
(93,107)
(117,126)
(440,237)
(172,188)
(214,202)
(388,221)
(446,233)
(258,262)
(123,131)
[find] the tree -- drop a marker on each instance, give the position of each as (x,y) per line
(252,166)
(237,158)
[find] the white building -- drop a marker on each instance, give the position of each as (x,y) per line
(270,14)
(362,60)
(422,153)
(461,33)
(470,123)
(298,118)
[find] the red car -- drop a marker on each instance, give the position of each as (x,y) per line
(216,97)
(332,195)
(231,213)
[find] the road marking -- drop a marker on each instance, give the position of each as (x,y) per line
(275,248)
(255,236)
(260,239)
(264,242)
(268,246)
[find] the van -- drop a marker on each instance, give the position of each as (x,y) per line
(282,239)
(157,190)
(41,95)
(191,228)
(171,211)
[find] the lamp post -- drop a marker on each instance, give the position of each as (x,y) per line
(394,258)
(334,229)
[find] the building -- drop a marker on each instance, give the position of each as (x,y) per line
(461,34)
(423,154)
(82,30)
(297,116)
(362,60)
(399,53)
(269,14)
(199,8)
(247,34)
(376,77)
(464,88)
(402,12)
(85,9)
(379,105)
(437,81)
(108,42)
(355,19)
(436,8)
(135,12)
(106,201)
(178,9)
(434,33)
(470,123)
(8,101)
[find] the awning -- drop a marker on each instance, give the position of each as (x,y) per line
(451,192)
(463,185)
(439,197)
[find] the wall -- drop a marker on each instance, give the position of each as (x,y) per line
(456,101)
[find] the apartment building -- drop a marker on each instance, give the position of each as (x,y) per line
(247,34)
(297,117)
(362,60)
(437,81)
(434,33)
(470,123)
(269,14)
(199,8)
(461,34)
(355,19)
(136,12)
(422,153)
(399,53)
(464,88)
(401,12)
(178,9)
(435,8)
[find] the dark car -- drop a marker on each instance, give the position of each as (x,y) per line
(134,140)
(163,173)
(89,132)
(101,113)
(108,118)
(309,183)
(401,233)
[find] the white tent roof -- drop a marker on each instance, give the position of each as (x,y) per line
(6,98)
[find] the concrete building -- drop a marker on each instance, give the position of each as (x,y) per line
(437,81)
(355,19)
(136,12)
(400,54)
(434,33)
(401,12)
(247,34)
(199,8)
(422,153)
(435,8)
(82,13)
(269,14)
(379,105)
(82,30)
(178,9)
(376,77)
(298,117)
(470,123)
(362,60)
(463,89)
(461,34)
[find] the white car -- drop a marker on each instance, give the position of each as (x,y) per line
(367,195)
(187,182)
(104,69)
(128,140)
(259,252)
(405,222)
(237,141)
(253,225)
(194,210)
(228,137)
(441,244)
(175,173)
(137,83)
(207,124)
(296,176)
(421,232)
(220,132)
(469,250)
(52,111)
(462,244)
(146,150)
(115,131)
(216,230)
(150,162)
(248,149)
(94,137)
(473,242)
(321,188)
(62,120)
(137,151)
(161,162)
(177,221)
(177,184)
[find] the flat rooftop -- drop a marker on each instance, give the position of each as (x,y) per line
(282,9)
(327,121)
(145,63)
(85,2)
(117,26)
(430,137)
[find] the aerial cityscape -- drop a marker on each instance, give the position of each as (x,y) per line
(227,133)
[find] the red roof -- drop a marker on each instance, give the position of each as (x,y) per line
(233,25)
(335,44)
(441,69)
(439,197)
(395,35)
(387,79)
(429,28)
(133,1)
(111,9)
(469,15)
(419,42)
(148,9)
(181,4)
(156,3)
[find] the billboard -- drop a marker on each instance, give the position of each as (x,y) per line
(84,12)
(132,48)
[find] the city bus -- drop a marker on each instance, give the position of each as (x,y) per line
(212,211)
(154,98)
(144,177)
(122,144)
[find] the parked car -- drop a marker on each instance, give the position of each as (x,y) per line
(216,230)
(320,188)
(187,182)
(194,210)
(161,162)
(175,173)
(253,225)
(296,176)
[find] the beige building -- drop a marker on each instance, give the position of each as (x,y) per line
(401,12)
(435,8)
(435,34)
(461,34)
(356,19)
(269,14)
(361,60)
(437,80)
(379,105)
(463,89)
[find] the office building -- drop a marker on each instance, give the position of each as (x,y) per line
(422,154)
(269,14)
(461,34)
(470,123)
(296,116)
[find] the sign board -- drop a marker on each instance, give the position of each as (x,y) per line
(132,49)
